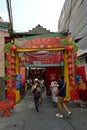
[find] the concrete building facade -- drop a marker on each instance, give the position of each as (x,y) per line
(3,33)
(74,17)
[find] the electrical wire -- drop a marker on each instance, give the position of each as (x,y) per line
(8,2)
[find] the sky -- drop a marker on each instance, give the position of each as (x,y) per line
(27,14)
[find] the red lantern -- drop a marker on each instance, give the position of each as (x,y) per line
(8,68)
(8,58)
(9,62)
(69,61)
(9,72)
(13,56)
(13,84)
(13,61)
(70,67)
(71,83)
(13,48)
(8,81)
(13,68)
(76,68)
(75,57)
(69,48)
(71,73)
(13,75)
(71,80)
(9,75)
(9,84)
(69,55)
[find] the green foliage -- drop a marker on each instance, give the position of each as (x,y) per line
(77,62)
(6,63)
(76,48)
(6,48)
(6,77)
(64,42)
(14,79)
(17,54)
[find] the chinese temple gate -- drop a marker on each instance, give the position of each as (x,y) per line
(50,50)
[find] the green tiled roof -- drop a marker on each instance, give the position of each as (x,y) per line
(45,35)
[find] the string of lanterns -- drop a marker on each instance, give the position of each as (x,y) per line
(10,65)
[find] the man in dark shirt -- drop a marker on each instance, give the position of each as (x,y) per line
(61,96)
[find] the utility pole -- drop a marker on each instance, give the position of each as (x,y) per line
(9,9)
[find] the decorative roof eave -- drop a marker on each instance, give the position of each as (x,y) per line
(43,36)
(54,40)
(47,41)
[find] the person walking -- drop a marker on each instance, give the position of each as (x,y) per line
(62,93)
(36,90)
(53,88)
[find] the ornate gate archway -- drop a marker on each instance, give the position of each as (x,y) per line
(42,43)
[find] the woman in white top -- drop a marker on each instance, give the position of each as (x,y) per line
(53,87)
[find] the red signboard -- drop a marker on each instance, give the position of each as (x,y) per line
(49,58)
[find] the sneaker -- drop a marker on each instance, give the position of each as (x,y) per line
(59,115)
(69,113)
(36,112)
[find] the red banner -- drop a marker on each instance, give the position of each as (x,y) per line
(35,58)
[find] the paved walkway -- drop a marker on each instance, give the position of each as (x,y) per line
(24,118)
